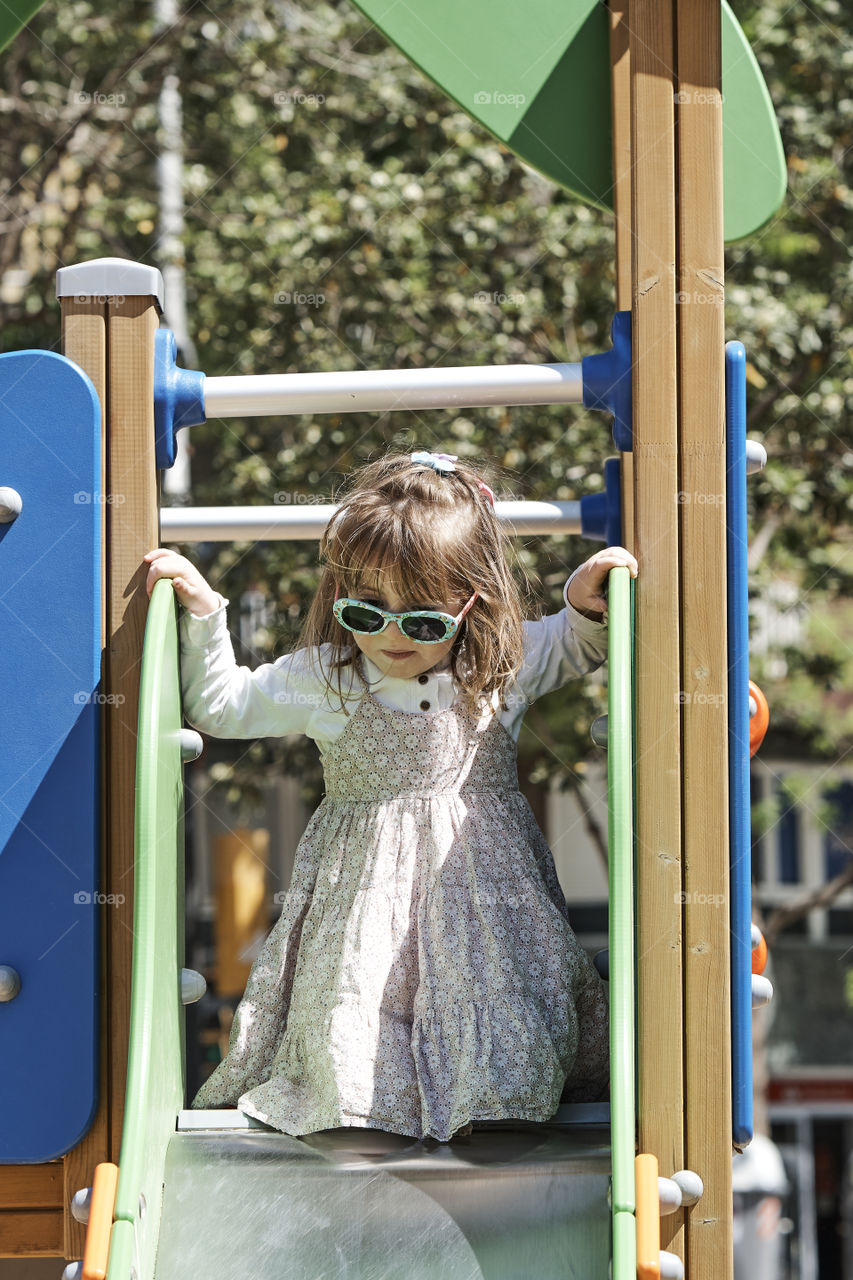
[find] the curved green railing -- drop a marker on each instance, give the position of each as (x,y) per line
(155,1084)
(620,797)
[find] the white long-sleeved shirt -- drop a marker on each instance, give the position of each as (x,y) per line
(290,696)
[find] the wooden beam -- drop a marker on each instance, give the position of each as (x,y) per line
(702,453)
(658,680)
(84,340)
(132,529)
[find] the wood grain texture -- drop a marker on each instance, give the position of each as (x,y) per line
(132,529)
(657,644)
(31,1186)
(31,1233)
(702,455)
(84,340)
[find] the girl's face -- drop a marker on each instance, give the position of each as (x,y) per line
(392,651)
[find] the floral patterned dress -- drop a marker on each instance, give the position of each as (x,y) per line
(423,973)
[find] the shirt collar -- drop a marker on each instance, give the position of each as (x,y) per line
(442,669)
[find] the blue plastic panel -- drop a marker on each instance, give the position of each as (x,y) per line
(739,816)
(49,766)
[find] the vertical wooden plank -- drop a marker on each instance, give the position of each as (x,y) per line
(132,512)
(658,682)
(704,661)
(620,114)
(84,340)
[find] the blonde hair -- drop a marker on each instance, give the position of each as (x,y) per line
(432,536)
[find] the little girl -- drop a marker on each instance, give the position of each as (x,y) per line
(423,974)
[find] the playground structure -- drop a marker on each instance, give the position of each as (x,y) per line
(118,400)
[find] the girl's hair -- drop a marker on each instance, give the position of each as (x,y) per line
(429,536)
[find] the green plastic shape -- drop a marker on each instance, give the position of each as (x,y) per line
(155,1075)
(14,15)
(620,841)
(538,78)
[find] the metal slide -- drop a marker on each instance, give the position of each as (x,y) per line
(203,1193)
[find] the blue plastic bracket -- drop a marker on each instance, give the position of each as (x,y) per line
(607,381)
(601,513)
(178,397)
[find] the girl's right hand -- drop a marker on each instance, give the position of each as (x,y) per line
(192,590)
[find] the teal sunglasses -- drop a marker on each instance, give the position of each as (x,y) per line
(424,626)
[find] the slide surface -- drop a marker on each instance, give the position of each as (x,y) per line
(215,1192)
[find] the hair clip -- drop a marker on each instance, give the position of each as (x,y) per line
(443,464)
(440,462)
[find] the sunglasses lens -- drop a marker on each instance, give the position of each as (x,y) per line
(360,617)
(425,629)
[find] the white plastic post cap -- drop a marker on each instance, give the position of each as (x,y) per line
(756,457)
(671,1266)
(104,278)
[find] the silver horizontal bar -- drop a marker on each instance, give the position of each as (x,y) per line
(381,390)
(296,521)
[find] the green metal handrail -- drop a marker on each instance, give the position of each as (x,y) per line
(620,796)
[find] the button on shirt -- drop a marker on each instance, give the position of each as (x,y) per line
(290,695)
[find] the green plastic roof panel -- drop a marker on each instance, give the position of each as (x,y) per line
(538,78)
(15,14)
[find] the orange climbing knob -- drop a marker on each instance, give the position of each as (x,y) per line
(648,1217)
(97,1251)
(759,951)
(759,720)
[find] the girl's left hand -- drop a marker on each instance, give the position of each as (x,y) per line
(587,588)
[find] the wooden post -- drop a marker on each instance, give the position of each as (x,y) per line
(702,452)
(110,314)
(658,679)
(84,340)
